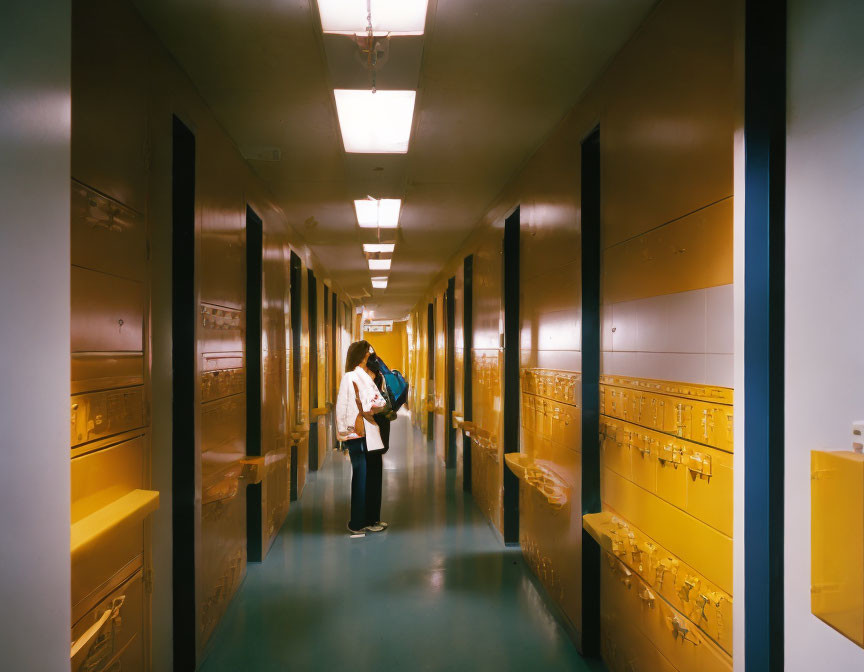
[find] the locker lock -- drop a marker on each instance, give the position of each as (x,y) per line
(680,629)
(646,596)
(671,454)
(707,598)
(689,584)
(700,463)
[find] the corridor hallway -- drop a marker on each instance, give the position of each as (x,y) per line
(436,591)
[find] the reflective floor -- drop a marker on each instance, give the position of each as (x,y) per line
(437,591)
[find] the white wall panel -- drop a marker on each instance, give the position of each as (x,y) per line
(35,108)
(824,288)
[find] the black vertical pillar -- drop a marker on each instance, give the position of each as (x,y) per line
(313,369)
(295,276)
(430,361)
(764,297)
(184,356)
(511,373)
(591,252)
(450,359)
(254,291)
(467,365)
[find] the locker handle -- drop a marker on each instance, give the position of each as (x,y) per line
(111,612)
(646,596)
(700,464)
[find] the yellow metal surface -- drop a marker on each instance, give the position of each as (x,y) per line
(691,253)
(837,541)
(549,470)
(722,395)
(110,636)
(129,509)
(710,423)
(698,544)
(487,453)
(628,605)
(109,437)
(695,478)
(707,606)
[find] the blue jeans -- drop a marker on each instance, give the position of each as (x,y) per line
(366,477)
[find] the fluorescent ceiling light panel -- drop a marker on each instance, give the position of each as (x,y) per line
(375,123)
(397,17)
(379,264)
(382,213)
(373,248)
(379,284)
(379,277)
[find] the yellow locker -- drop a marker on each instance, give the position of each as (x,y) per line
(110,636)
(693,541)
(837,541)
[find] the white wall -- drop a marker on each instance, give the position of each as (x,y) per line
(824,287)
(34,333)
(685,336)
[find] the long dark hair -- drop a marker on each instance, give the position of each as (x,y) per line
(356,352)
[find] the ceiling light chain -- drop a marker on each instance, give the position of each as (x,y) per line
(373,51)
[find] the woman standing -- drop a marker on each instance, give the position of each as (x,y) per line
(358,401)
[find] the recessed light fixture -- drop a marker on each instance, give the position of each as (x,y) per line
(396,17)
(379,247)
(379,264)
(381,213)
(379,284)
(375,122)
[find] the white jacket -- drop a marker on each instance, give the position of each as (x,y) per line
(346,408)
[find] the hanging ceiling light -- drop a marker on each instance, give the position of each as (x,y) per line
(378,212)
(375,122)
(379,264)
(394,17)
(373,248)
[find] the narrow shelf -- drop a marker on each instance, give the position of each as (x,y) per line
(132,507)
(539,477)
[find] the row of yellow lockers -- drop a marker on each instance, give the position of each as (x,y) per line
(666,530)
(695,478)
(692,418)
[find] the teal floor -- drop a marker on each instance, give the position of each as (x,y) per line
(437,591)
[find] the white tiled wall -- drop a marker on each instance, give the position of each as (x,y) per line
(685,336)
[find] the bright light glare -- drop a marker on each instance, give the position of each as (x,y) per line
(379,247)
(397,17)
(379,284)
(375,123)
(379,264)
(383,213)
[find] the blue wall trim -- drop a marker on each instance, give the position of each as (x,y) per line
(764,288)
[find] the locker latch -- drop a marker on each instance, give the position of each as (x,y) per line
(646,596)
(700,463)
(671,454)
(689,584)
(645,448)
(681,630)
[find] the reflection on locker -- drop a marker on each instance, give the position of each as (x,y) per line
(109,435)
(548,468)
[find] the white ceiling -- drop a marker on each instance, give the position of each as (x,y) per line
(493,78)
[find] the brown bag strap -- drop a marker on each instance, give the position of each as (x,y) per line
(359,425)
